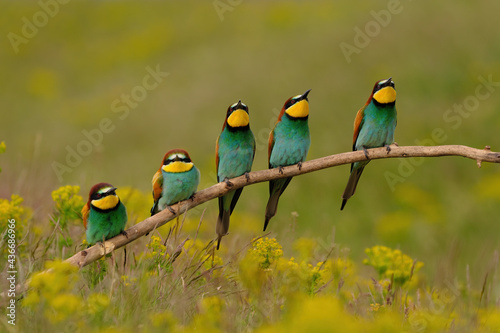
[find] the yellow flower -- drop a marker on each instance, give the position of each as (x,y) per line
(392,263)
(163,319)
(52,292)
(68,204)
(305,247)
(97,303)
(62,307)
(266,251)
(13,216)
(157,254)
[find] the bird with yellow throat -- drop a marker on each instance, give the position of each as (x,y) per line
(234,153)
(289,143)
(104,215)
(177,179)
(373,127)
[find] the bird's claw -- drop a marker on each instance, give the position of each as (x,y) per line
(228,183)
(299,165)
(124,233)
(171,210)
(192,197)
(388,148)
(280,169)
(365,151)
(247,176)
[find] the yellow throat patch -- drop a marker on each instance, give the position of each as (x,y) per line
(239,118)
(299,109)
(385,95)
(177,166)
(107,202)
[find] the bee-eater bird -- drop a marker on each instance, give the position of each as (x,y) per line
(289,143)
(104,215)
(373,127)
(177,179)
(234,153)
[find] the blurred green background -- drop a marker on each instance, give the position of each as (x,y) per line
(66,78)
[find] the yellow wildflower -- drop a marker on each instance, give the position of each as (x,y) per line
(392,263)
(68,203)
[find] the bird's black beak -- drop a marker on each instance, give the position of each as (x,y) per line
(304,95)
(238,105)
(111,191)
(388,83)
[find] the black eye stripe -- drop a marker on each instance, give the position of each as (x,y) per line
(184,159)
(292,102)
(96,196)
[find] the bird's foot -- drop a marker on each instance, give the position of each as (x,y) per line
(192,197)
(299,165)
(365,151)
(388,148)
(280,169)
(124,233)
(228,183)
(171,210)
(247,176)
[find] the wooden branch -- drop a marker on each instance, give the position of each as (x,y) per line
(95,252)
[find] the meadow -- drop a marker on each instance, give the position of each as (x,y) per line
(99,91)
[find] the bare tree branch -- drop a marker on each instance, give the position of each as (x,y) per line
(95,252)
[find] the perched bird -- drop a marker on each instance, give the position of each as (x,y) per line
(373,127)
(234,153)
(104,215)
(289,143)
(177,179)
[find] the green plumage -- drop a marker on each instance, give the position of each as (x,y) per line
(235,152)
(105,224)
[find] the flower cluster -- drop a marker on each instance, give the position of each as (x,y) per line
(266,251)
(68,204)
(52,291)
(392,264)
(157,254)
(13,210)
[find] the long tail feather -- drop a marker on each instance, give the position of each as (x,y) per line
(351,185)
(222,227)
(154,209)
(276,188)
(272,206)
